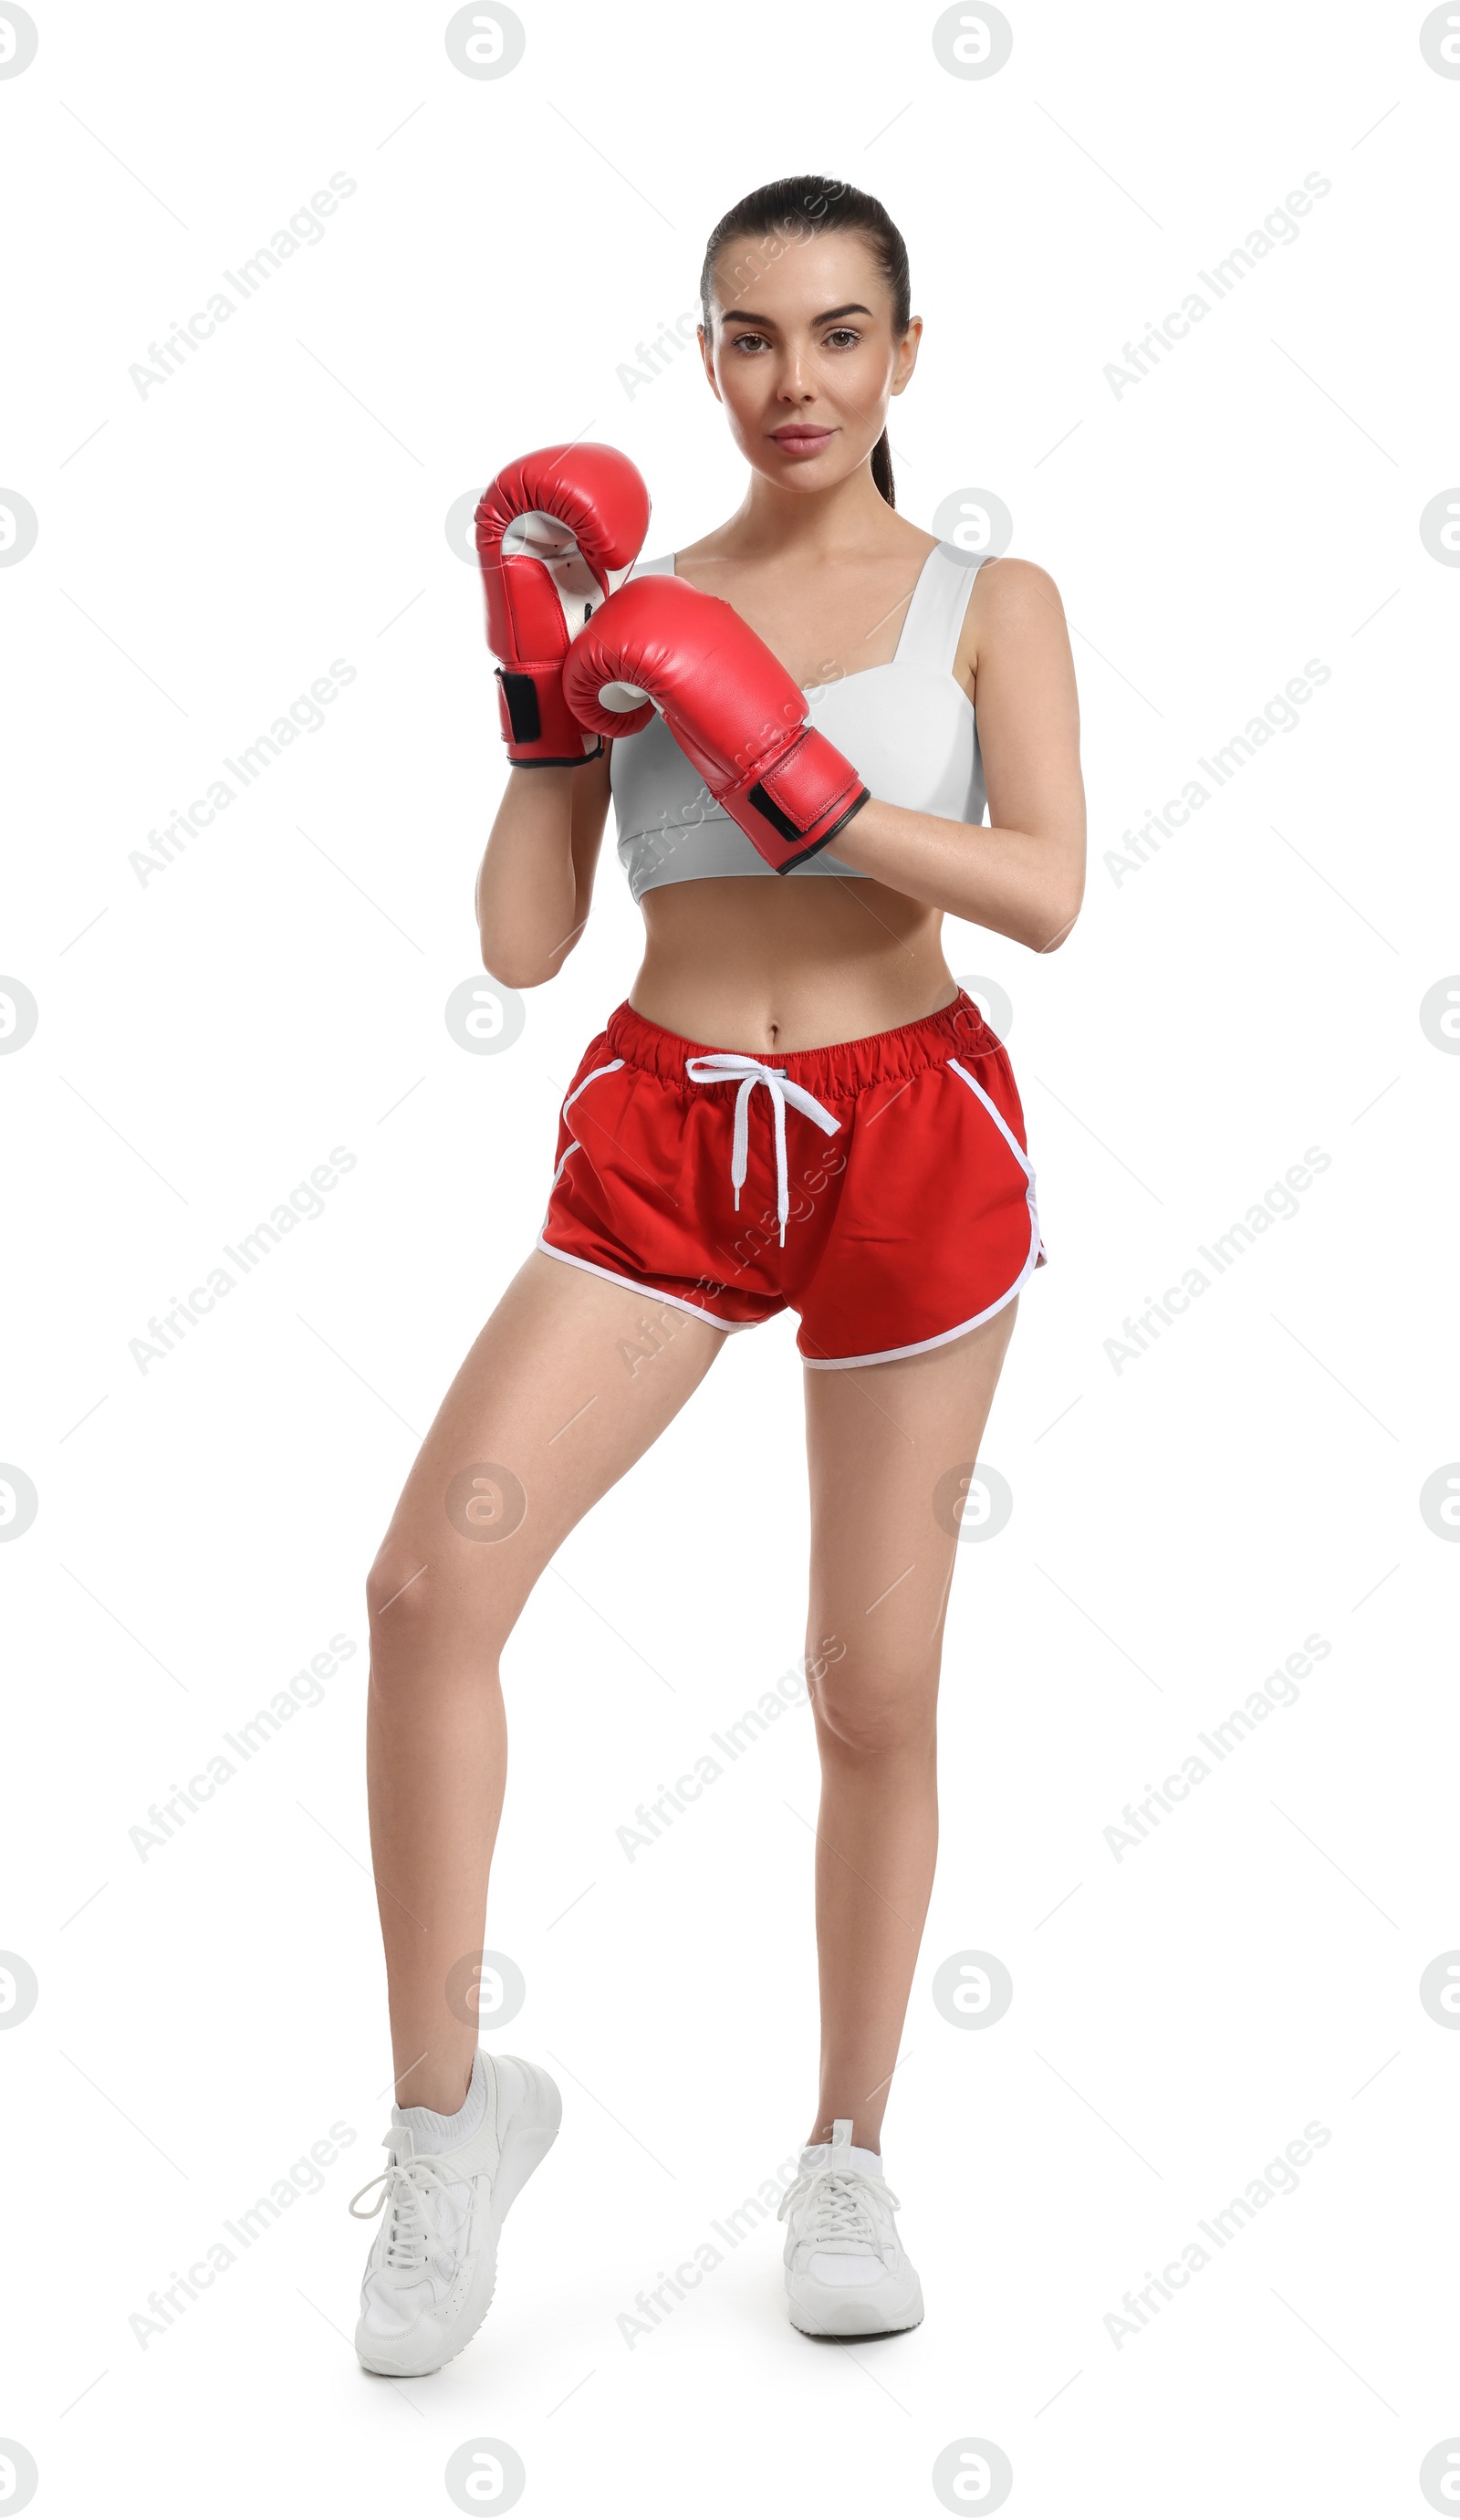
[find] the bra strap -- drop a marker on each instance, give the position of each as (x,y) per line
(935,617)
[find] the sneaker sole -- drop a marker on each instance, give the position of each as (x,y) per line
(830,2316)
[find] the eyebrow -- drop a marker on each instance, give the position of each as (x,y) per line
(741,315)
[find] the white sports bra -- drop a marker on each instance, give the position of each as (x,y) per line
(906,726)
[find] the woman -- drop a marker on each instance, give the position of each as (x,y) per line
(797,1103)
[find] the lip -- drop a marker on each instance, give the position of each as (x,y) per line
(801,438)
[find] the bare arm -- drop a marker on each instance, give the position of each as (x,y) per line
(536,879)
(1023,875)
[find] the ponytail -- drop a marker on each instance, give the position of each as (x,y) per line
(882,470)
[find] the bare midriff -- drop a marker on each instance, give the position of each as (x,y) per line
(776,962)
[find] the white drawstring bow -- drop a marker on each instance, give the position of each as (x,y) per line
(726,1068)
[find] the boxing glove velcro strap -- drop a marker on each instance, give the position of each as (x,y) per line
(520,692)
(522,723)
(810,794)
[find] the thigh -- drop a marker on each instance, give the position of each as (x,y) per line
(568,1384)
(886,1447)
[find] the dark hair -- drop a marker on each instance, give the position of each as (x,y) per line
(798,206)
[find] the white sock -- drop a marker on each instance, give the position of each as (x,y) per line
(861,2159)
(435,2132)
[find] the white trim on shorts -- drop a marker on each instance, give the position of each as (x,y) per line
(921,1347)
(591,1079)
(637,1287)
(576,1148)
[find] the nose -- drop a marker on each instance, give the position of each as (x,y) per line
(795,385)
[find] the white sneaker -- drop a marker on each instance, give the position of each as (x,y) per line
(846,2271)
(431,2269)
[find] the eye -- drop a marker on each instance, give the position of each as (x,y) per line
(843,338)
(748,342)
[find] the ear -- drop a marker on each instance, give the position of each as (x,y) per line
(707,356)
(906,358)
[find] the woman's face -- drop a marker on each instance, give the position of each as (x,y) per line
(801,352)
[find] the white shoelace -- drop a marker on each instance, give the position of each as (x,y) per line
(838,2208)
(728,1067)
(404,2187)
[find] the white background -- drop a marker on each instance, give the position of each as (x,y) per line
(206,1037)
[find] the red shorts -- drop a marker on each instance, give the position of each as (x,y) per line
(880,1188)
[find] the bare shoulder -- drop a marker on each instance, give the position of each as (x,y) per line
(1014,591)
(914,540)
(1012,600)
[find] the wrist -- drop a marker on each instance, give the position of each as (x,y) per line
(864,829)
(542,776)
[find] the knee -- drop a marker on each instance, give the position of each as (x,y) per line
(417,1601)
(879,1710)
(393,1590)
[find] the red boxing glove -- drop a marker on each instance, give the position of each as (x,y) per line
(553,533)
(727,703)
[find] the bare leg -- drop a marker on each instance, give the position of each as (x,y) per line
(547,1396)
(879,1439)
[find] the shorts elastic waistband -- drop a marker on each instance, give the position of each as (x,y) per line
(838,1068)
